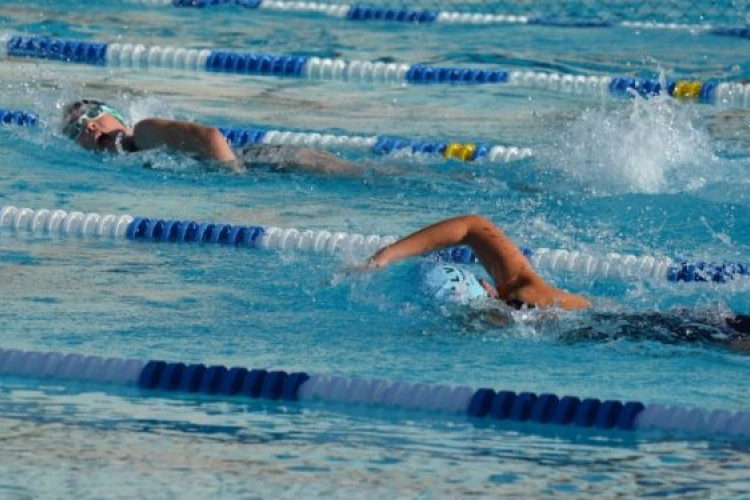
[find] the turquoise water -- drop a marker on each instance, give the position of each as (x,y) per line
(653,177)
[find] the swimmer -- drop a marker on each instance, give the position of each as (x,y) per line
(514,281)
(96,126)
(518,286)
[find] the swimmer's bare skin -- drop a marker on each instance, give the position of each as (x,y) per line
(514,279)
(206,143)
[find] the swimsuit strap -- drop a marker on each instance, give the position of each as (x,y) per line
(518,304)
(739,323)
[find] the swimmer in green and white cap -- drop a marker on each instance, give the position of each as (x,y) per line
(96,126)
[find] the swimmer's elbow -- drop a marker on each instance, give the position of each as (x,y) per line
(214,135)
(475,219)
(573,302)
(218,149)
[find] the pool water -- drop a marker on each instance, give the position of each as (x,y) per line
(649,177)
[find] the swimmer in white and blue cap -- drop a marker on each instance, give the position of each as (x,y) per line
(452,283)
(516,284)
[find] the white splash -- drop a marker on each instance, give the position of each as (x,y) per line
(648,146)
(149,107)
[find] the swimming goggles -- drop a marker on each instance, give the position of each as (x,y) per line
(74,129)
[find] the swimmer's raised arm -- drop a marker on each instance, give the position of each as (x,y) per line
(186,137)
(495,250)
(510,270)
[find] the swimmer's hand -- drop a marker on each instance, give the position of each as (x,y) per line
(378,260)
(351,270)
(491,290)
(367,266)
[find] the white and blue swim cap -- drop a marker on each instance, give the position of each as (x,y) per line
(453,283)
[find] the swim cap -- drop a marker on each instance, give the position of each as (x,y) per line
(76,106)
(453,283)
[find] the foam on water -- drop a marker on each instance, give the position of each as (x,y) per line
(149,107)
(650,145)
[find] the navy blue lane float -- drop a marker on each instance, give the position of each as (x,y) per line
(739,32)
(18,117)
(279,385)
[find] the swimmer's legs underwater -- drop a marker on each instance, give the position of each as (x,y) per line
(680,326)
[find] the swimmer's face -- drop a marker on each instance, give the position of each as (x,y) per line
(94,126)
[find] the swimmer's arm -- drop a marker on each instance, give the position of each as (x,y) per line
(497,253)
(494,249)
(185,137)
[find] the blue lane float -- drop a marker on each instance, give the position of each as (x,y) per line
(160,377)
(420,73)
(58,50)
(143,57)
(365,13)
(45,222)
(18,117)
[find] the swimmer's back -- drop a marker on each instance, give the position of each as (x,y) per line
(283,157)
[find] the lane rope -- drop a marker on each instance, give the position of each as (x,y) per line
(278,385)
(139,56)
(45,222)
(395,14)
